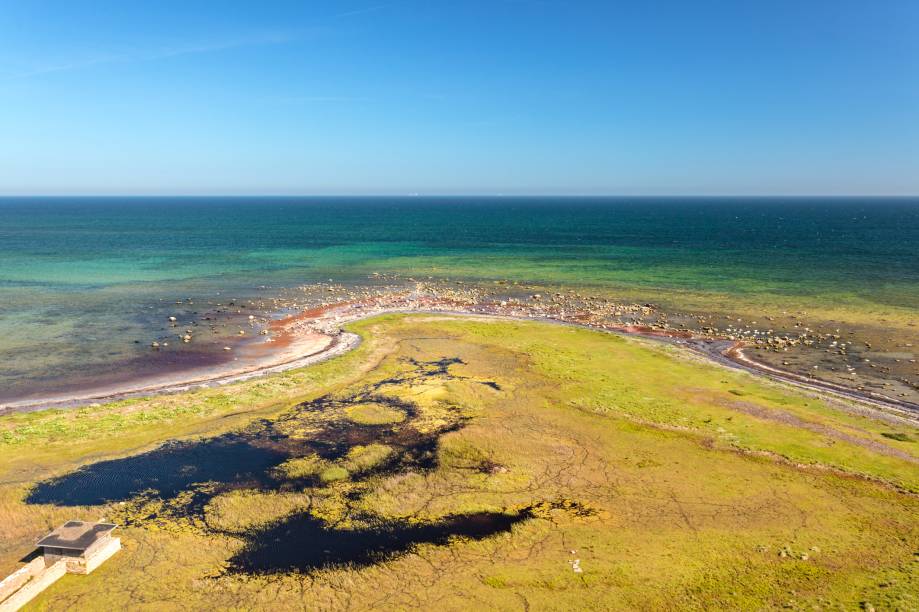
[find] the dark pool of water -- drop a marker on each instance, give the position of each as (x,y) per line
(301,543)
(165,472)
(188,474)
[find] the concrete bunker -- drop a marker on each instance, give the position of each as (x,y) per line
(76,547)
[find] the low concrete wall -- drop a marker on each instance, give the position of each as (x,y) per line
(35,586)
(14,581)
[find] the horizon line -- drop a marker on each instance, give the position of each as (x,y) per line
(449,195)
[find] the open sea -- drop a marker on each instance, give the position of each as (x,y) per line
(85,283)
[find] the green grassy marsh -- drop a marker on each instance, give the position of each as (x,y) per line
(628,475)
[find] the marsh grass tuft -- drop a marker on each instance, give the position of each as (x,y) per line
(373,414)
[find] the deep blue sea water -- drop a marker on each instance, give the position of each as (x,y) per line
(82,278)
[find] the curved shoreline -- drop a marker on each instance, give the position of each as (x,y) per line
(327,321)
(338,345)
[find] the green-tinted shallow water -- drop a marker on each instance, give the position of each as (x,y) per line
(82,278)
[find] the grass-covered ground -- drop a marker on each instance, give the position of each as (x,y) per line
(468,464)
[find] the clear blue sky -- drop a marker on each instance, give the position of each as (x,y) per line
(465,96)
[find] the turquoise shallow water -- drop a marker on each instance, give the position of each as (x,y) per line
(82,278)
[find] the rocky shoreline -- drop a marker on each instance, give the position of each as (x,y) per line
(315,333)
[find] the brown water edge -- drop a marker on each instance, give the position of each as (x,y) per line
(174,371)
(158,360)
(138,371)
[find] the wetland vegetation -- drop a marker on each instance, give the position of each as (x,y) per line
(464,462)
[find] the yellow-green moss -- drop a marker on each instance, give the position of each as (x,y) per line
(372,413)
